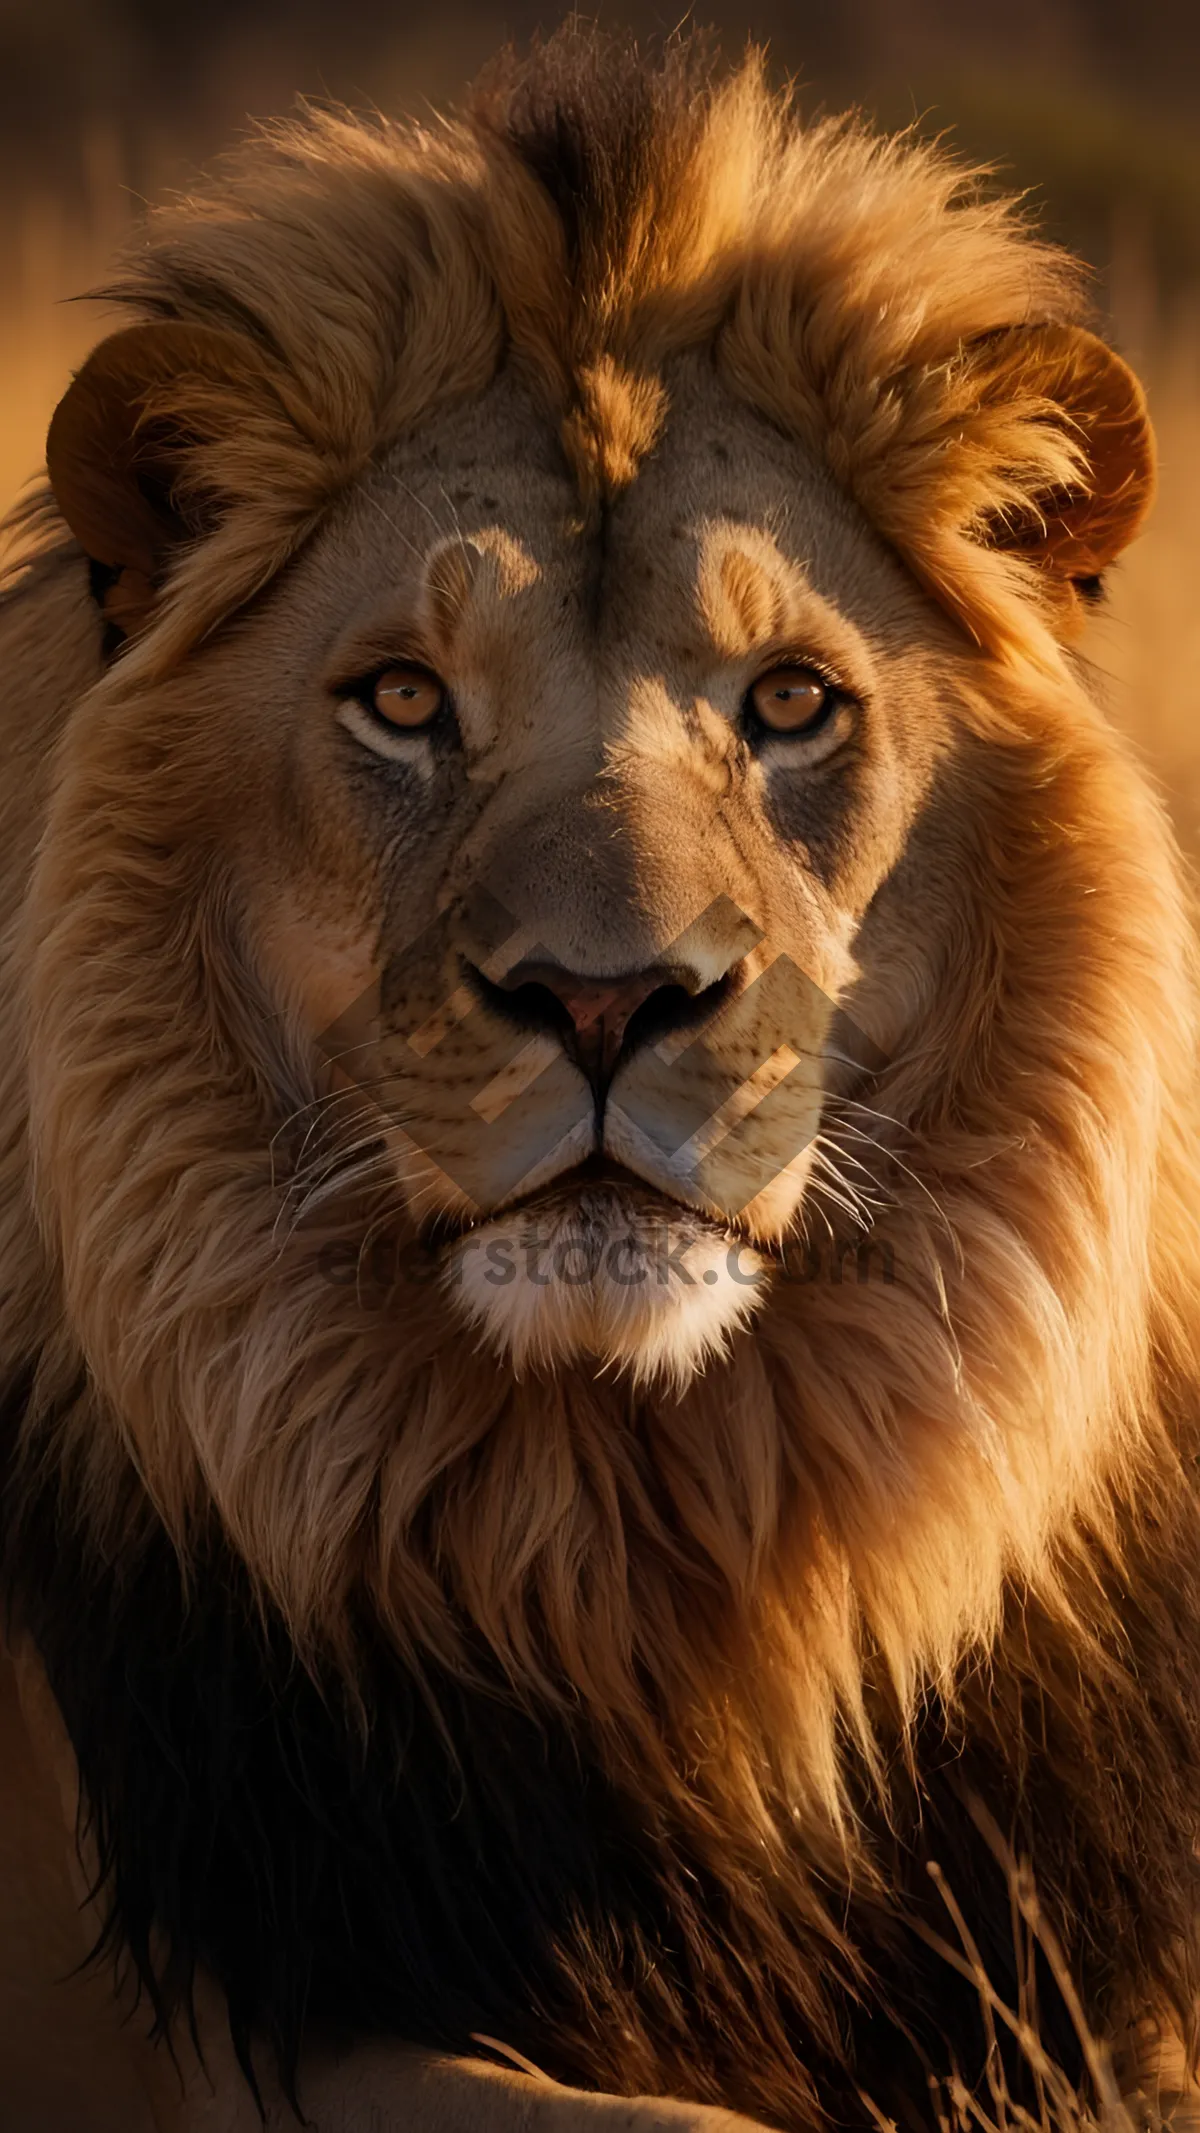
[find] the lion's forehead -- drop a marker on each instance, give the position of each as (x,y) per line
(493,475)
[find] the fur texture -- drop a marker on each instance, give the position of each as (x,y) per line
(617,1718)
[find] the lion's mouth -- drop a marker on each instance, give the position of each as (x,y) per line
(596,1174)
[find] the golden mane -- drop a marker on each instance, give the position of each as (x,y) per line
(586,217)
(751,1587)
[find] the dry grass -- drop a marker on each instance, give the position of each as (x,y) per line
(1055,2105)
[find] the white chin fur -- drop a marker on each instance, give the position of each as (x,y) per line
(601,1273)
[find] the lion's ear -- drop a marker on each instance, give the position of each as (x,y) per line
(1077,526)
(119,448)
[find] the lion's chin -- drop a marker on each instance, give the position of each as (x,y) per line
(625,1279)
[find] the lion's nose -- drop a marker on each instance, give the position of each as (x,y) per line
(601,1021)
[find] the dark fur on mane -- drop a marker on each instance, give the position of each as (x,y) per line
(589,115)
(459,1864)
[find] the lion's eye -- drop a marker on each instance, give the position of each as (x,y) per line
(391,712)
(793,700)
(408,697)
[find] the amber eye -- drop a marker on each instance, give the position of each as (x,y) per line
(794,700)
(406,696)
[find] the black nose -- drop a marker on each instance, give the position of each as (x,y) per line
(601,1022)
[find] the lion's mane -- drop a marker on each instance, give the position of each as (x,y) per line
(615,1723)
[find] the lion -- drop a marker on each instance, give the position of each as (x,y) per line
(600,1249)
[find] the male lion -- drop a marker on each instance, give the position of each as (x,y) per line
(601,1257)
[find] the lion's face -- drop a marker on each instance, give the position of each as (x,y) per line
(559,830)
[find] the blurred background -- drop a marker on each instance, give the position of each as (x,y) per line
(1093,106)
